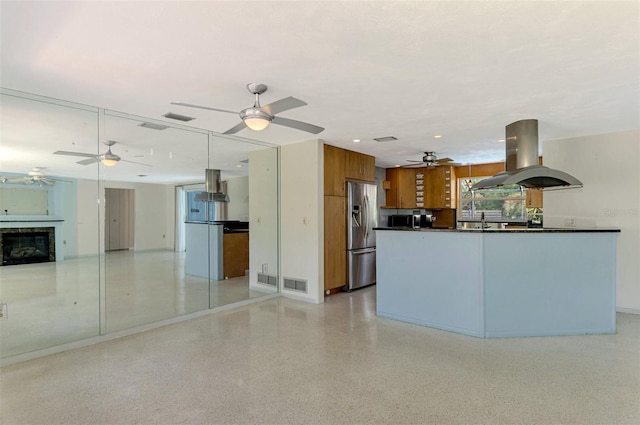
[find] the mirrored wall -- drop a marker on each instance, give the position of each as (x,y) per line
(111,221)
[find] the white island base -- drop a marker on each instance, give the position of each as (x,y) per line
(499,284)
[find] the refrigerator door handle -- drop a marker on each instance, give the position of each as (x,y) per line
(363,251)
(366,215)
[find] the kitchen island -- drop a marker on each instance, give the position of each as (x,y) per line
(499,283)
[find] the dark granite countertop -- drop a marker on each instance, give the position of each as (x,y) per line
(530,230)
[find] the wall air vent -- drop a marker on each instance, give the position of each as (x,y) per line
(385,139)
(295,284)
(153,126)
(267,279)
(178,117)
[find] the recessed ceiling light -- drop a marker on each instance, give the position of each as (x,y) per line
(398,165)
(238,166)
(501,141)
(437,136)
(356,140)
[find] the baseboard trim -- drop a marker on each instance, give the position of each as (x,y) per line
(628,310)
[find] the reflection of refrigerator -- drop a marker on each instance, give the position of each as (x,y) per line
(362,216)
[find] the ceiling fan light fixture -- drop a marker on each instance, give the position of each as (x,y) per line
(257,124)
(109,159)
(109,162)
(256,119)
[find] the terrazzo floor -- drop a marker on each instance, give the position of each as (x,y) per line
(281,361)
(59,302)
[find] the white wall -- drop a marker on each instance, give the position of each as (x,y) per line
(609,167)
(238,191)
(88,225)
(302,240)
(154,214)
(263,215)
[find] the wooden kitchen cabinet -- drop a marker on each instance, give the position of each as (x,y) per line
(402,187)
(235,254)
(335,242)
(334,170)
(534,198)
(359,166)
(440,187)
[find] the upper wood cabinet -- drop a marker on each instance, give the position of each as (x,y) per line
(440,187)
(334,170)
(360,167)
(534,198)
(404,188)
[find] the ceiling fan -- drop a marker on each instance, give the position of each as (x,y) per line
(35,176)
(259,117)
(108,158)
(429,160)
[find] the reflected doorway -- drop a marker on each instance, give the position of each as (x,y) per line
(119,219)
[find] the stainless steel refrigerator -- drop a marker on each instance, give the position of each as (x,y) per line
(362,216)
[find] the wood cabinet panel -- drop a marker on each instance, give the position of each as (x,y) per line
(360,167)
(440,187)
(335,242)
(334,170)
(235,254)
(402,187)
(534,198)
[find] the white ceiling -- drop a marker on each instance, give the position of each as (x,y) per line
(411,70)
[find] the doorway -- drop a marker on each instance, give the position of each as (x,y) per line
(119,219)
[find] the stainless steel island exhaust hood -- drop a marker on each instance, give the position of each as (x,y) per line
(215,190)
(522,162)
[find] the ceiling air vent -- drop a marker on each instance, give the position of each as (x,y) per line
(153,126)
(178,117)
(385,139)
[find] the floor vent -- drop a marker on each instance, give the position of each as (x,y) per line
(267,279)
(295,284)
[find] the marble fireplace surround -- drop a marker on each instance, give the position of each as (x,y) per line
(53,227)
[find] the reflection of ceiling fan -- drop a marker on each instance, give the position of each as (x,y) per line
(259,117)
(429,160)
(108,158)
(35,176)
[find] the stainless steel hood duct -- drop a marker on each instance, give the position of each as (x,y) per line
(522,162)
(215,190)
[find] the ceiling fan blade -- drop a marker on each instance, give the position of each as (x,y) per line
(139,163)
(236,128)
(444,160)
(190,105)
(47,181)
(283,105)
(55,179)
(88,161)
(86,155)
(297,125)
(414,160)
(18,180)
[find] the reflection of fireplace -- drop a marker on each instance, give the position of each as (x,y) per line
(27,245)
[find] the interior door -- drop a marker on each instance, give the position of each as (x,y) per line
(119,219)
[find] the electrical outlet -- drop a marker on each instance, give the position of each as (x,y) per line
(3,311)
(570,221)
(265,268)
